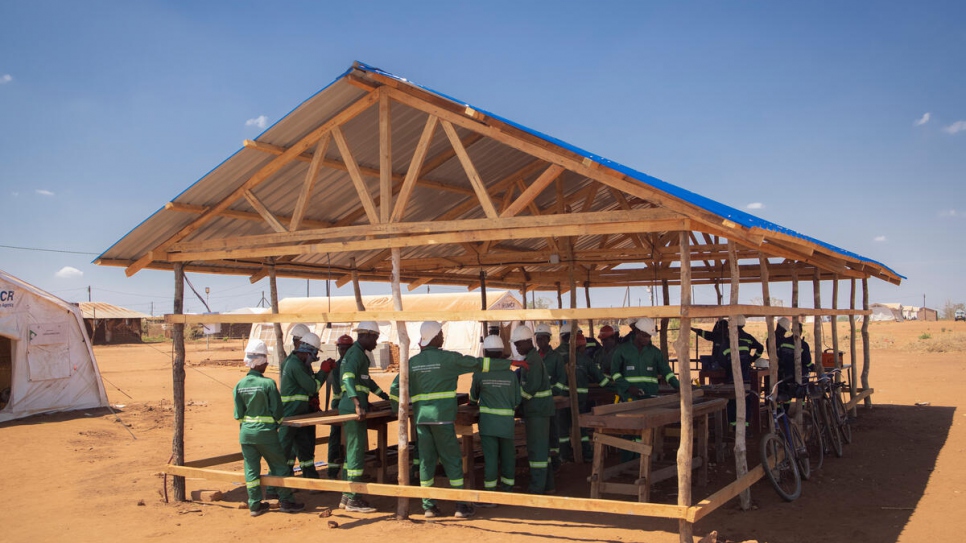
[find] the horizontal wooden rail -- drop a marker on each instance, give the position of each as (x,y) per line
(858,398)
(707,506)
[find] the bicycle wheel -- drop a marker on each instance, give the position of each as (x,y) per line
(831,427)
(797,444)
(812,433)
(780,467)
(844,425)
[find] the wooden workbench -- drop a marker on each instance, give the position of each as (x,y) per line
(612,423)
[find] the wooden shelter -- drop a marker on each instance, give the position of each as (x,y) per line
(107,324)
(376,178)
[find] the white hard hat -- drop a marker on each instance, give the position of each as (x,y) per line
(367,326)
(542,329)
(521,333)
(309,341)
(428,331)
(256,353)
(298,331)
(740,320)
(493,343)
(646,325)
(785,323)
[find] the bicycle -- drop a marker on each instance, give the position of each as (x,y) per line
(784,455)
(820,397)
(834,390)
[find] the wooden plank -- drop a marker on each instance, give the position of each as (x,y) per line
(333,419)
(257,178)
(309,183)
(548,176)
(723,496)
(419,155)
(355,175)
(264,212)
(627,489)
(385,157)
(470,170)
(503,498)
(623,444)
(859,397)
(669,399)
(669,472)
(242,215)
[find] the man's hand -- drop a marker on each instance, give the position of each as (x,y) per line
(328,365)
(384,396)
(360,412)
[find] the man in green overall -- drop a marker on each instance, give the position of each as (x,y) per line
(258,408)
(356,386)
(498,395)
(433,376)
(336,454)
(538,410)
(554,365)
(586,373)
(299,386)
(637,364)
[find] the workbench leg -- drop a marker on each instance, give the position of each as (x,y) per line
(702,430)
(382,439)
(658,454)
(468,461)
(597,469)
(644,486)
(719,430)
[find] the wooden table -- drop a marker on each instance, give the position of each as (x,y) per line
(759,382)
(644,417)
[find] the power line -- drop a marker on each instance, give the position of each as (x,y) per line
(38,249)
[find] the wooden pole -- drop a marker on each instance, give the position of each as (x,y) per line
(835,324)
(666,295)
(483,302)
(178,376)
(559,297)
(355,285)
(866,355)
(590,322)
(402,506)
(853,356)
(796,333)
(817,323)
(741,456)
(685,448)
(572,373)
(772,341)
(279,338)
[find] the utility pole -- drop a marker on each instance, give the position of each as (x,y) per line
(152,309)
(207,334)
(90,300)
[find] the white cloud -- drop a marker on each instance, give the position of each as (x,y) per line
(5,78)
(755,205)
(261,121)
(44,192)
(68,272)
(948,213)
(957,126)
(923,120)
(879,238)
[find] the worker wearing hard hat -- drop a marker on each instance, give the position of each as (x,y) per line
(433,376)
(554,365)
(356,386)
(538,409)
(562,417)
(785,341)
(297,333)
(749,350)
(298,386)
(498,395)
(258,407)
(637,365)
(586,372)
(336,453)
(608,342)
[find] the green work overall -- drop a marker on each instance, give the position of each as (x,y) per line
(354,377)
(538,411)
(298,385)
(498,395)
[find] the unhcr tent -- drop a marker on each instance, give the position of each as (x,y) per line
(461,336)
(885,312)
(46,361)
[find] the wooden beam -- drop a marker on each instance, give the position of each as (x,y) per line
(264,212)
(548,176)
(310,176)
(726,494)
(353,170)
(416,284)
(241,215)
(414,168)
(260,176)
(470,170)
(385,157)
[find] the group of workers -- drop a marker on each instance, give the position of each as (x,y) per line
(504,388)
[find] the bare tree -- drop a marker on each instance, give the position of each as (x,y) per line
(948,311)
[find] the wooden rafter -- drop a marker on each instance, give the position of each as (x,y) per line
(527,196)
(385,157)
(355,175)
(470,170)
(415,165)
(310,176)
(242,215)
(264,211)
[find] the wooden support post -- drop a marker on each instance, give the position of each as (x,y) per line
(355,285)
(666,295)
(685,447)
(741,453)
(817,323)
(772,342)
(796,328)
(402,506)
(866,355)
(483,302)
(590,322)
(835,324)
(178,376)
(571,369)
(279,338)
(853,356)
(559,297)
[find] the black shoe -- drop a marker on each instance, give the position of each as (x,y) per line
(432,512)
(290,507)
(359,505)
(464,511)
(344,500)
(262,507)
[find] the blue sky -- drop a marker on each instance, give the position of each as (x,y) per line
(845,121)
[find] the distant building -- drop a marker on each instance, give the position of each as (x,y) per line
(911,313)
(108,324)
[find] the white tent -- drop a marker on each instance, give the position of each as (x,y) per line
(886,312)
(46,361)
(461,336)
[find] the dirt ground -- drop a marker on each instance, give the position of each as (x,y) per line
(96,477)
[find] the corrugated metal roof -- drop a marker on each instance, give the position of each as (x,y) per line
(336,202)
(100,310)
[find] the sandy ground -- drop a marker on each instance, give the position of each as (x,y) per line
(89,476)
